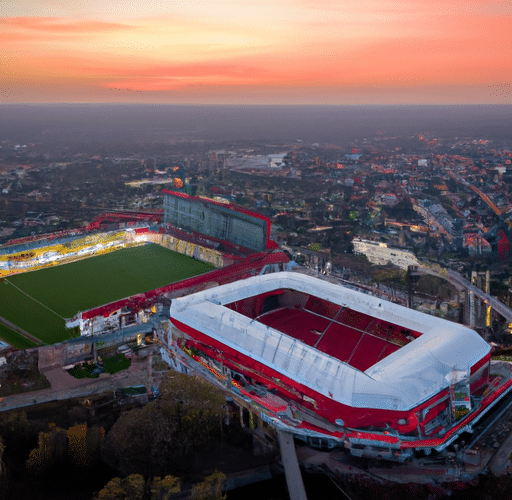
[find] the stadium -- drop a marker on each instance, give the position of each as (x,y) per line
(323,362)
(119,269)
(327,363)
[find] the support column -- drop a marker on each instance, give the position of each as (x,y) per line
(291,466)
(467,314)
(488,316)
(478,311)
(488,309)
(472,310)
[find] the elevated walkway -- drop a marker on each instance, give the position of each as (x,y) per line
(461,283)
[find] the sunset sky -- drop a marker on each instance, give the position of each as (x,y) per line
(256,52)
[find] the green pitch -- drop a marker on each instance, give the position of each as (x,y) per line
(39,301)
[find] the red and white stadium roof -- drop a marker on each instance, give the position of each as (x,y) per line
(440,357)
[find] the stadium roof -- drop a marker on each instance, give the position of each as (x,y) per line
(442,355)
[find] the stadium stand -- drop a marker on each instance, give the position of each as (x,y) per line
(43,253)
(348,335)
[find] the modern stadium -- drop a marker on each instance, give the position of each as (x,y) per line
(320,361)
(116,272)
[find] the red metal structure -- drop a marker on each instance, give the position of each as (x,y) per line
(154,217)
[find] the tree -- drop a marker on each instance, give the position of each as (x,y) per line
(162,435)
(194,405)
(141,441)
(77,446)
(164,488)
(51,449)
(133,487)
(210,489)
(129,488)
(2,448)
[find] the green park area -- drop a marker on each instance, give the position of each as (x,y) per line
(38,301)
(110,364)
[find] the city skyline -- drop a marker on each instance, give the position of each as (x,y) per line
(284,52)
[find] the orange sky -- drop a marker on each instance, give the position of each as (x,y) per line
(263,52)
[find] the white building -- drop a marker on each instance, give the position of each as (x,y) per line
(382,253)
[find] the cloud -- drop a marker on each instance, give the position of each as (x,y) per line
(167,77)
(294,46)
(56,25)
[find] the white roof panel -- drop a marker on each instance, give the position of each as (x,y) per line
(400,381)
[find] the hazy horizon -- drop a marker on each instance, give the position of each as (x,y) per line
(84,122)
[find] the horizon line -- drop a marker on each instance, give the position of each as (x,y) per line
(352,105)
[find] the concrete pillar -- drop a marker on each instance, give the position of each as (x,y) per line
(472,312)
(150,368)
(488,316)
(291,466)
(469,309)
(474,277)
(478,311)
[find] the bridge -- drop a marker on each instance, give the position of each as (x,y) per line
(463,285)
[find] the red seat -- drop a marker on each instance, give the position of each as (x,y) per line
(296,323)
(368,352)
(339,341)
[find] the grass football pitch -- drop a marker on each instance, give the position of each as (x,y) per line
(39,301)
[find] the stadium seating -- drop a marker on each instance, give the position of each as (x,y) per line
(48,252)
(348,335)
(298,323)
